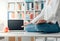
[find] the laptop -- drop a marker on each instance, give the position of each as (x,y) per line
(15,25)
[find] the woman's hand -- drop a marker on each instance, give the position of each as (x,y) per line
(41,21)
(26,23)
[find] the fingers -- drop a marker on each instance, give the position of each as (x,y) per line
(40,21)
(25,24)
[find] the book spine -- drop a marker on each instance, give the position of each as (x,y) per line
(23,8)
(30,6)
(27,6)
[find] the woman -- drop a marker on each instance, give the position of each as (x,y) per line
(46,20)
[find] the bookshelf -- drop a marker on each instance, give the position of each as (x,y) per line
(16,10)
(33,8)
(24,9)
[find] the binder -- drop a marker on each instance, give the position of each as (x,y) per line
(30,6)
(27,6)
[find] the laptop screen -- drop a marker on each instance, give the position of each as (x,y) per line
(15,24)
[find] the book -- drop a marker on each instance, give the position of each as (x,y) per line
(27,6)
(11,6)
(36,14)
(12,15)
(18,6)
(22,6)
(31,15)
(23,16)
(30,6)
(27,15)
(39,5)
(36,6)
(19,15)
(42,4)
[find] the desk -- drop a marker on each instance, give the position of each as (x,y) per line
(29,34)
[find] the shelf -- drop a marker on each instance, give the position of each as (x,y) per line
(20,11)
(15,0)
(29,19)
(37,10)
(11,2)
(26,10)
(30,10)
(11,11)
(39,1)
(15,19)
(20,2)
(29,2)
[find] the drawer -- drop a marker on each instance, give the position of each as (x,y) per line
(51,39)
(40,39)
(58,39)
(19,39)
(11,38)
(2,38)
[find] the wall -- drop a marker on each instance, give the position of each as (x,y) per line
(3,12)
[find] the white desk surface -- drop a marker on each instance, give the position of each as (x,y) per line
(18,33)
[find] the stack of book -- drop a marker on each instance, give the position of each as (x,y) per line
(20,6)
(29,15)
(20,15)
(30,6)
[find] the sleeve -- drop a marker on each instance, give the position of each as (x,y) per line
(40,16)
(52,14)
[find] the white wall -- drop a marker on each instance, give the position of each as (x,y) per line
(3,12)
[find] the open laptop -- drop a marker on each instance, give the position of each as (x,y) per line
(15,25)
